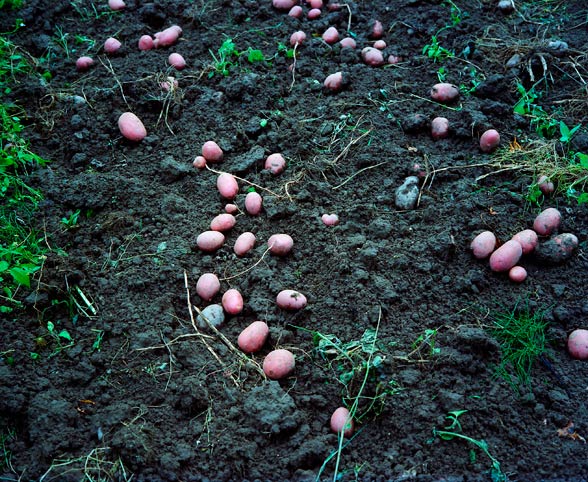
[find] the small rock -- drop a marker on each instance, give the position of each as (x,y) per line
(506,6)
(407,194)
(414,123)
(214,314)
(558,249)
(513,61)
(557,48)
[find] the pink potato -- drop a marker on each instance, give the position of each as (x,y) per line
(170,84)
(334,82)
(297,38)
(116,4)
(545,185)
(146,42)
(199,162)
(253,203)
(506,256)
(284,4)
(331,35)
(314,13)
(295,11)
(315,3)
(223,222)
(212,152)
(527,239)
(279,364)
(330,219)
(547,222)
(176,61)
(253,337)
(379,44)
(483,244)
(210,240)
(372,56)
(559,248)
(348,42)
(518,274)
(231,208)
(280,244)
(84,63)
(244,243)
(393,59)
(341,421)
(377,29)
(227,185)
(131,127)
(578,344)
(207,286)
(111,45)
(439,128)
(489,140)
(167,37)
(232,302)
(291,300)
(444,92)
(275,163)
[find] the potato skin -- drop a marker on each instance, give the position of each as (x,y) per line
(439,128)
(131,127)
(528,240)
(444,92)
(505,257)
(489,140)
(483,244)
(212,152)
(232,302)
(578,344)
(547,222)
(253,203)
(341,420)
(280,244)
(253,337)
(518,274)
(210,240)
(291,300)
(227,185)
(275,163)
(223,222)
(207,286)
(279,364)
(244,243)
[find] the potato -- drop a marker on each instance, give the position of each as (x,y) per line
(330,219)
(116,4)
(297,38)
(231,208)
(483,244)
(372,56)
(547,222)
(341,421)
(223,222)
(393,59)
(334,82)
(379,44)
(253,203)
(210,240)
(291,300)
(377,30)
(199,162)
(131,127)
(84,63)
(214,314)
(444,92)
(440,128)
(170,84)
(518,274)
(331,35)
(244,243)
(489,140)
(348,42)
(212,152)
(176,61)
(558,249)
(506,256)
(578,344)
(527,239)
(279,364)
(253,337)
(280,244)
(207,286)
(545,185)
(275,163)
(315,3)
(227,185)
(296,11)
(167,37)
(146,42)
(314,13)
(232,302)
(111,45)
(284,4)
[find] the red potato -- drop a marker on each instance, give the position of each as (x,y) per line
(296,11)
(146,42)
(170,84)
(439,128)
(131,127)
(527,239)
(111,45)
(377,29)
(297,38)
(84,63)
(489,140)
(331,35)
(253,337)
(372,56)
(291,300)
(348,42)
(210,240)
(207,286)
(280,244)
(244,243)
(232,302)
(227,185)
(559,248)
(547,222)
(314,13)
(284,4)
(393,59)
(506,256)
(578,344)
(483,244)
(444,92)
(231,208)
(199,162)
(518,274)
(545,185)
(223,222)
(279,364)
(341,421)
(275,163)
(212,152)
(379,44)
(116,4)
(176,61)
(330,219)
(315,3)
(167,37)
(253,203)
(334,82)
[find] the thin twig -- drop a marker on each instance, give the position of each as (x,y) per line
(248,269)
(359,172)
(110,68)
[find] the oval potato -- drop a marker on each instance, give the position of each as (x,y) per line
(275,163)
(223,222)
(483,244)
(131,127)
(528,240)
(253,337)
(207,286)
(232,302)
(341,421)
(280,244)
(244,243)
(210,240)
(518,274)
(227,185)
(291,300)
(547,222)
(212,152)
(444,92)
(279,364)
(439,128)
(578,344)
(489,140)
(253,203)
(506,256)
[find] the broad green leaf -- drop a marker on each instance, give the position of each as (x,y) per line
(50,326)
(21,276)
(4,265)
(65,334)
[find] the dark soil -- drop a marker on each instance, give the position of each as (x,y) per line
(139,395)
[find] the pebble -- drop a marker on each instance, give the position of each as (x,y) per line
(214,314)
(407,194)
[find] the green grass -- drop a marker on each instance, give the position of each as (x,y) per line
(12,4)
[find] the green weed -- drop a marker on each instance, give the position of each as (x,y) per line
(71,221)
(92,13)
(12,4)
(435,51)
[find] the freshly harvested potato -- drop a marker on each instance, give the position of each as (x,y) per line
(578,344)
(528,240)
(506,256)
(558,249)
(291,300)
(439,128)
(207,286)
(280,244)
(210,240)
(444,92)
(341,421)
(214,314)
(279,364)
(227,185)
(84,63)
(232,301)
(275,163)
(330,219)
(483,244)
(131,127)
(253,203)
(223,222)
(372,56)
(547,222)
(212,152)
(518,274)
(244,243)
(489,140)
(253,337)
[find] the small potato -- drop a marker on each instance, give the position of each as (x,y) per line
(314,13)
(341,421)
(296,11)
(372,56)
(527,239)
(84,63)
(279,364)
(578,344)
(334,82)
(232,302)
(379,44)
(111,45)
(348,42)
(176,61)
(506,256)
(199,162)
(547,222)
(483,244)
(377,30)
(212,152)
(170,84)
(244,244)
(223,222)
(167,37)
(330,219)
(439,128)
(131,127)
(444,92)
(291,300)
(231,208)
(227,185)
(315,3)
(280,244)
(331,35)
(545,185)
(275,163)
(489,140)
(210,240)
(393,59)
(284,4)
(146,42)
(518,274)
(297,38)
(253,203)
(116,4)
(253,337)
(207,286)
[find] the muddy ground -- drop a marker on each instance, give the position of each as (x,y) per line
(138,395)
